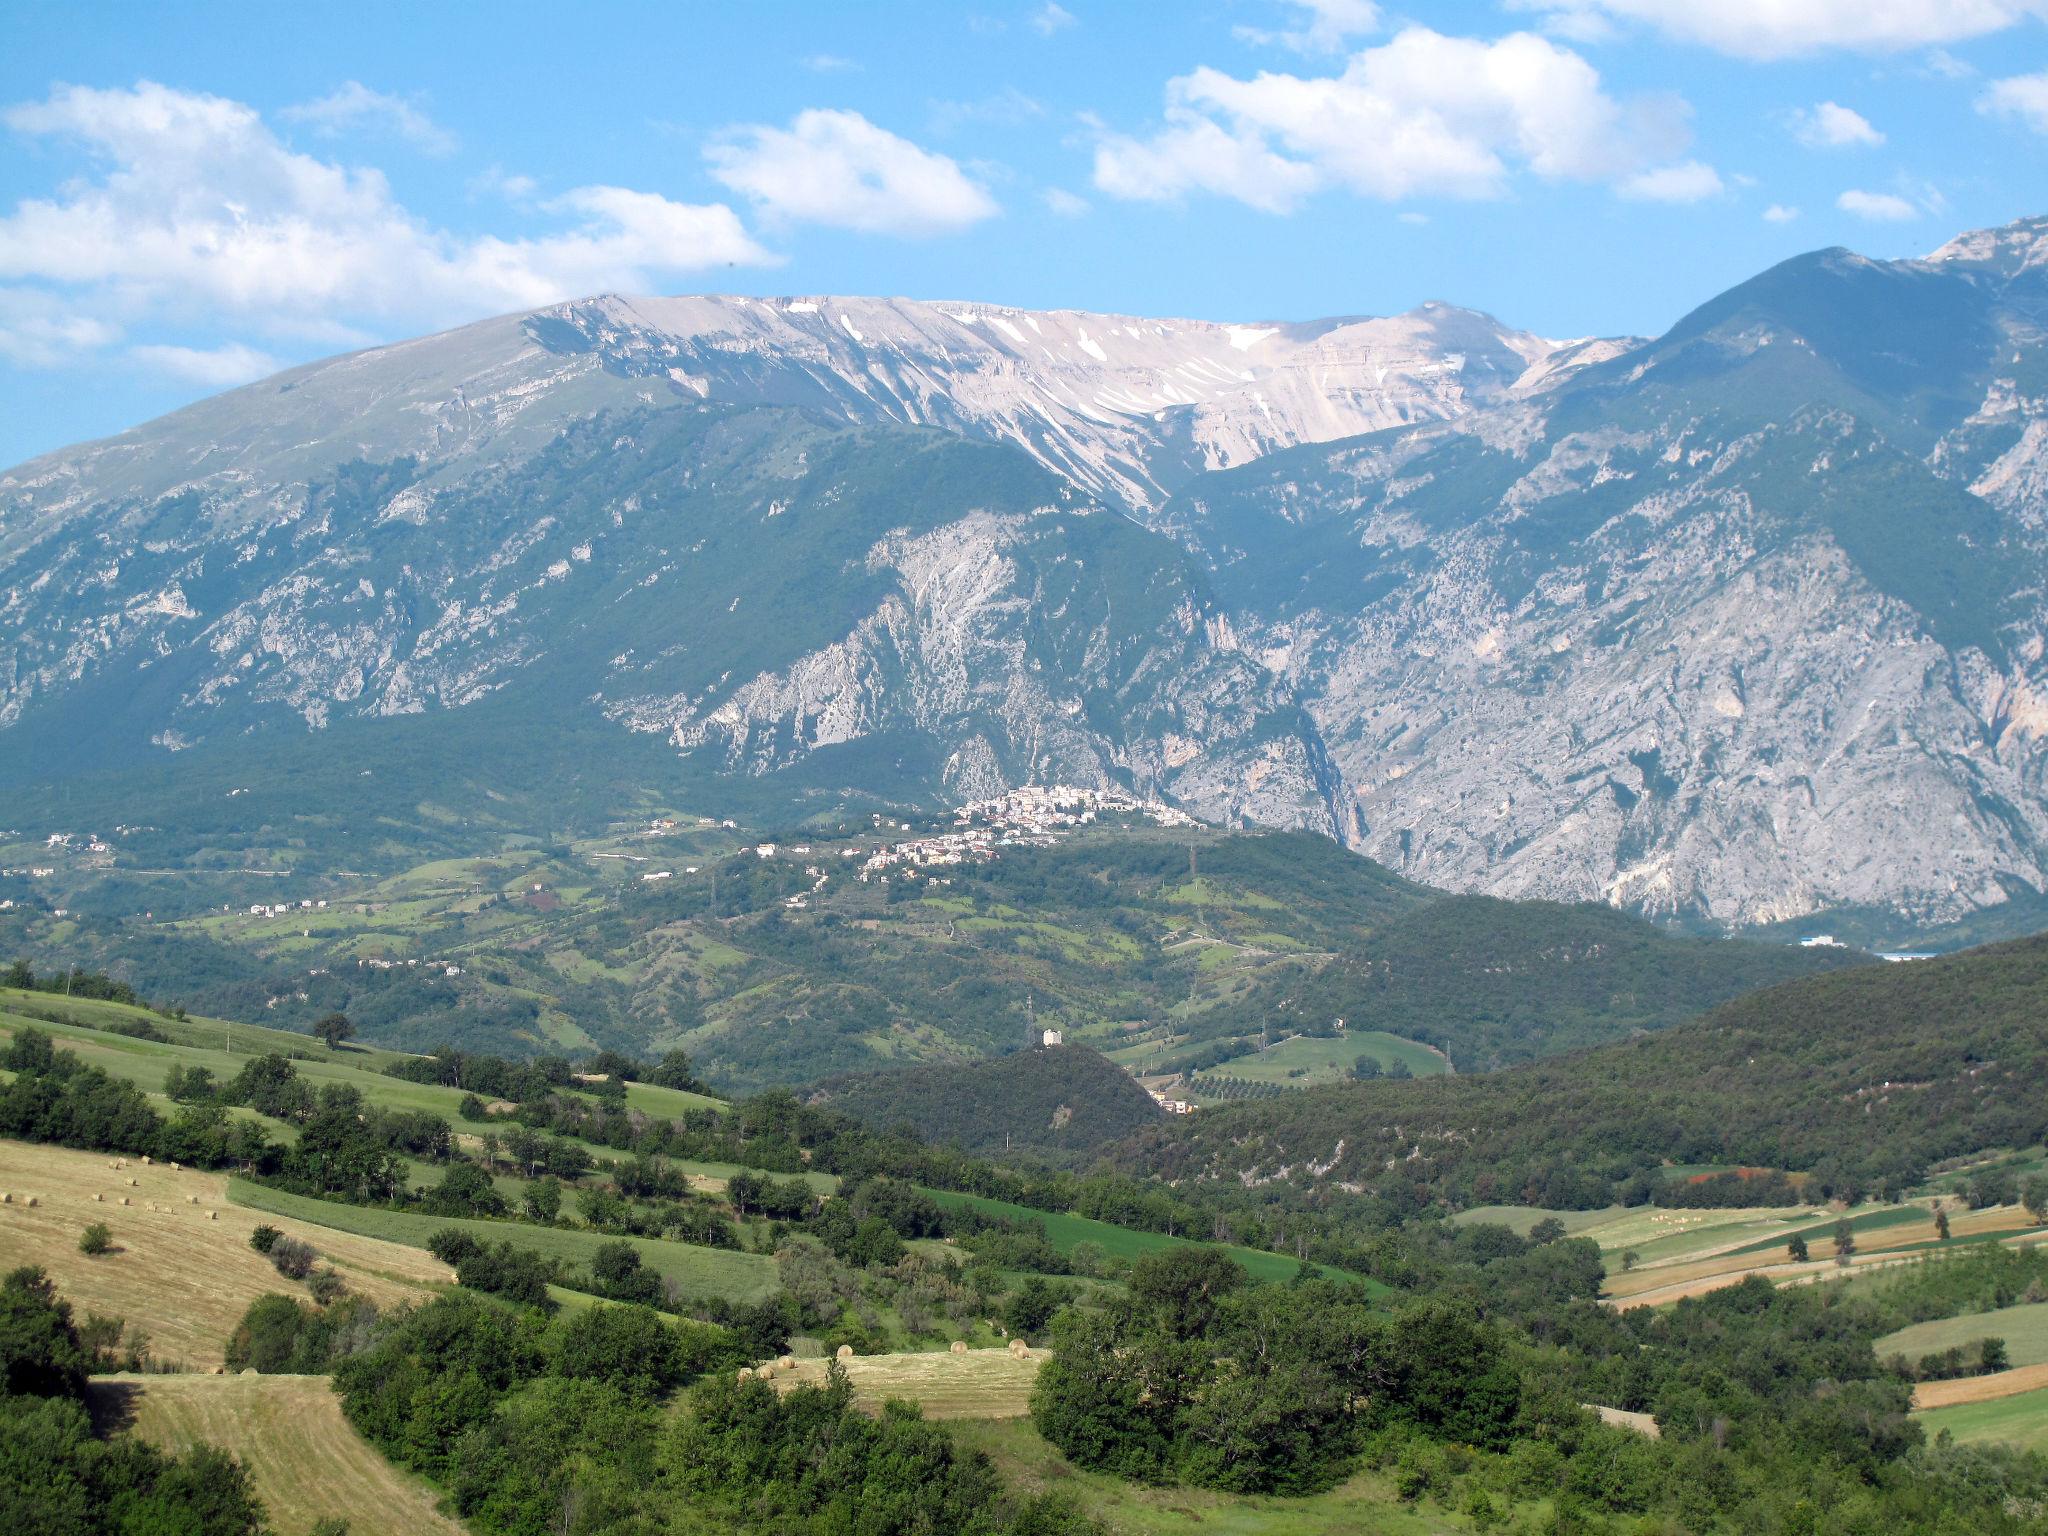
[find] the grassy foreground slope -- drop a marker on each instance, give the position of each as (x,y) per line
(1863,1078)
(306,1460)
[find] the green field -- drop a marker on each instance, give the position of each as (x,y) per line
(698,1271)
(1303,1060)
(1064,1232)
(1520,1218)
(1362,1504)
(2020,1420)
(2024,1329)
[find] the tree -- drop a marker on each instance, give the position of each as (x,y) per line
(1796,1249)
(1845,1241)
(1184,1285)
(2034,1196)
(1548,1230)
(544,1199)
(1941,1224)
(334,1029)
(1366,1068)
(96,1240)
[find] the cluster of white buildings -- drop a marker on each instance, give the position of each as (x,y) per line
(87,842)
(371,963)
(1032,816)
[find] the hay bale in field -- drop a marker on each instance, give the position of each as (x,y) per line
(785,1362)
(213,1216)
(98,1198)
(124,1199)
(744,1376)
(177,1167)
(145,1163)
(1019,1349)
(765,1372)
(191,1199)
(132,1184)
(844,1352)
(6,1198)
(959,1346)
(31,1201)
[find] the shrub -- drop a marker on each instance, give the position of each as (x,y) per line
(327,1287)
(264,1238)
(451,1245)
(96,1240)
(293,1259)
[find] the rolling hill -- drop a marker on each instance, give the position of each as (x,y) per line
(1861,1079)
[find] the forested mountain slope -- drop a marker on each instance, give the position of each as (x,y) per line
(1861,1078)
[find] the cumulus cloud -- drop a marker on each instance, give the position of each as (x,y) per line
(1325,26)
(1065,203)
(1424,114)
(1782,29)
(195,212)
(1780,213)
(356,107)
(1689,181)
(2022,96)
(1878,207)
(217,367)
(1833,126)
(837,168)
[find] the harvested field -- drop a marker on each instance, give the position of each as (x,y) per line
(182,1272)
(306,1460)
(2024,1329)
(980,1384)
(1980,1389)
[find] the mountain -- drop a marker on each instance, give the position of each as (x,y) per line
(1741,624)
(1843,1076)
(1746,622)
(1065,1100)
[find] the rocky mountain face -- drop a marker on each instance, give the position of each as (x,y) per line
(1744,622)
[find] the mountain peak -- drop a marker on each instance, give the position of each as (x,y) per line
(2007,249)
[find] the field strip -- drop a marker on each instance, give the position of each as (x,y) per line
(979,1384)
(305,1458)
(1980,1389)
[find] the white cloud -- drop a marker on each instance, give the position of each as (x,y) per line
(2022,96)
(1878,207)
(1780,213)
(39,329)
(829,64)
(195,214)
(355,106)
(1007,108)
(1424,114)
(1326,26)
(1833,126)
(1065,203)
(217,367)
(1687,182)
(839,169)
(1051,17)
(1781,29)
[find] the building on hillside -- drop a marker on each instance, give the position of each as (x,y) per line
(1051,1037)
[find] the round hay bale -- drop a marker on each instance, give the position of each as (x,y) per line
(745,1375)
(213,1216)
(124,1199)
(764,1372)
(959,1346)
(785,1362)
(132,1184)
(191,1199)
(250,1370)
(1019,1349)
(32,1201)
(844,1352)
(98,1198)
(177,1167)
(6,1199)
(145,1163)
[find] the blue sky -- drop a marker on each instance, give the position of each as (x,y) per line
(193,196)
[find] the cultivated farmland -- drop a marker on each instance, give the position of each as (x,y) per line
(306,1460)
(183,1272)
(980,1384)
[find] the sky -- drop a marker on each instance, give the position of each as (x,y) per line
(193,197)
